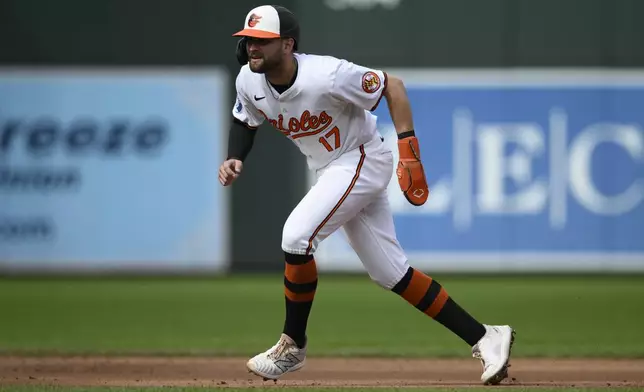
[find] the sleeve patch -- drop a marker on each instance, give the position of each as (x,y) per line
(370,82)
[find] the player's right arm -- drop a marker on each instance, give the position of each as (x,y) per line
(241,137)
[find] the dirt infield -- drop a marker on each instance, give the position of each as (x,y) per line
(231,372)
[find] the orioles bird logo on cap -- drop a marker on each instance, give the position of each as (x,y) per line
(253,20)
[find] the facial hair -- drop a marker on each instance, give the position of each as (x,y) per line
(266,64)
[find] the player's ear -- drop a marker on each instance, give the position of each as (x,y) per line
(289,43)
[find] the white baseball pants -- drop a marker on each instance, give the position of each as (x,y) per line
(351,193)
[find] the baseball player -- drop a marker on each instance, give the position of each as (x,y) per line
(323,104)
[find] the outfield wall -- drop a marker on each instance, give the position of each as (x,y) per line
(529,170)
(114,114)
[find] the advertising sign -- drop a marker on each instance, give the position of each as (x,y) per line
(529,170)
(112,170)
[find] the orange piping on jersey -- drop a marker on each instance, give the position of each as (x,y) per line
(382,92)
(342,199)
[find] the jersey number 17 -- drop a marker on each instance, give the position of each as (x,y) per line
(335,132)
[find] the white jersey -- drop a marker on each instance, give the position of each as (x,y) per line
(326,112)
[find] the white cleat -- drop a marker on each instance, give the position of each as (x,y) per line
(284,357)
(493,350)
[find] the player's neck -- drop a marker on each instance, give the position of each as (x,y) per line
(284,75)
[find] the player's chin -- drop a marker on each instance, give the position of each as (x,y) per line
(256,65)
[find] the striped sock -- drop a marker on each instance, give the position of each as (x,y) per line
(428,296)
(300,283)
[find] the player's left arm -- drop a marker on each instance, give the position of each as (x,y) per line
(365,88)
(410,171)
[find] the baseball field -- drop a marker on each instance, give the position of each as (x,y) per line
(191,334)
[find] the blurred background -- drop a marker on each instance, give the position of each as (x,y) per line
(114,117)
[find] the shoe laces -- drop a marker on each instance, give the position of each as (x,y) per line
(277,352)
(476,353)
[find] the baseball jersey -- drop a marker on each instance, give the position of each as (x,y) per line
(326,111)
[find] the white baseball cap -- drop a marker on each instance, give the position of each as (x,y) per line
(270,21)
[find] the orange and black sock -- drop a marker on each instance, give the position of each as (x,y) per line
(428,296)
(300,283)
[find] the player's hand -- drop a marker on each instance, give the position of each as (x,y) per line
(410,172)
(229,171)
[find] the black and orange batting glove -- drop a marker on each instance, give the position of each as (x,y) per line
(410,172)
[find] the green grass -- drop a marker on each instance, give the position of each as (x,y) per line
(553,316)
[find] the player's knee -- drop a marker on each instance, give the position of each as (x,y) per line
(383,281)
(388,275)
(294,240)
